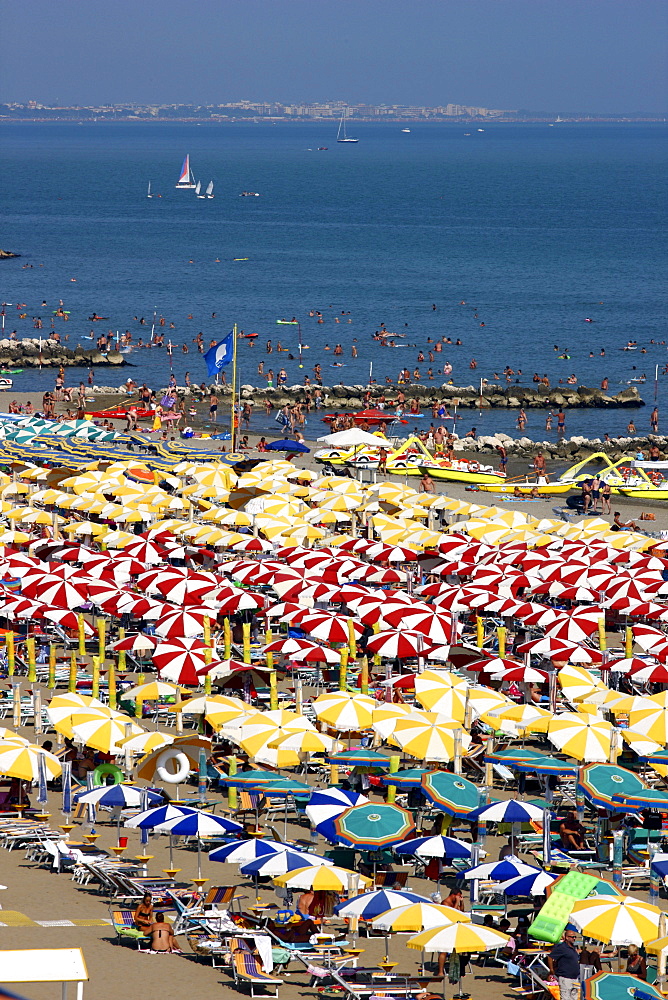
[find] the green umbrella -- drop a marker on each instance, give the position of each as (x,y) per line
(510,754)
(409,777)
(359,758)
(601,783)
(373,825)
(250,778)
(450,792)
(644,798)
(616,986)
(543,764)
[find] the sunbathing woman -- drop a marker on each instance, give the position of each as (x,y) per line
(143,915)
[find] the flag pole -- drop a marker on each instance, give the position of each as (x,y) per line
(234,385)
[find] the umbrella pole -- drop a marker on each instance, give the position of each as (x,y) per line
(171,845)
(285,819)
(199,858)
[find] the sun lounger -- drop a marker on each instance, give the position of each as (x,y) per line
(124,925)
(246,968)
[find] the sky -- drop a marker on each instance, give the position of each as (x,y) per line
(552,55)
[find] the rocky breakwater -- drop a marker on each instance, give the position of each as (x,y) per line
(33,353)
(357,397)
(572,449)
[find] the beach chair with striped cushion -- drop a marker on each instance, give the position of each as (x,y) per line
(246,968)
(124,925)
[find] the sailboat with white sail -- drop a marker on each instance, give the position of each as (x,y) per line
(149,195)
(342,135)
(198,188)
(209,190)
(186,181)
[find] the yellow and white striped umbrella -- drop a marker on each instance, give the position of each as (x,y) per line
(583,737)
(482,700)
(345,711)
(146,742)
(578,682)
(262,727)
(650,722)
(429,736)
(63,706)
(154,690)
(305,741)
(524,715)
(640,744)
(419,917)
(104,734)
(328,878)
(218,710)
(385,718)
(20,761)
(442,691)
(460,938)
(617,921)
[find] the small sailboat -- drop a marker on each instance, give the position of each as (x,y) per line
(149,195)
(198,188)
(186,180)
(209,190)
(342,129)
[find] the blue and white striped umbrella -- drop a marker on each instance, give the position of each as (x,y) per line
(242,852)
(371,904)
(199,824)
(111,796)
(500,871)
(526,885)
(282,862)
(326,805)
(507,811)
(435,847)
(149,818)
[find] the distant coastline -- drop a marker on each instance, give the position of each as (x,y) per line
(286,119)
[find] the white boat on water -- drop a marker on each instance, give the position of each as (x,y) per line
(209,190)
(149,195)
(342,135)
(405,130)
(186,181)
(198,188)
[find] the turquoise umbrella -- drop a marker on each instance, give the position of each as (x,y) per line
(615,986)
(510,754)
(602,783)
(450,792)
(644,798)
(373,825)
(543,765)
(359,758)
(409,777)
(250,778)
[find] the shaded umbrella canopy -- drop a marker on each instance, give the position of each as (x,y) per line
(600,782)
(287,445)
(614,986)
(408,777)
(435,847)
(371,904)
(450,792)
(373,825)
(359,758)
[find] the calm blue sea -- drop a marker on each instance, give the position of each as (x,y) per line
(534,227)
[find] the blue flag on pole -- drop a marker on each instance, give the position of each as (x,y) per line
(220,354)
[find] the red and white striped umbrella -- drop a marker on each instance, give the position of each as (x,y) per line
(631,664)
(557,649)
(390,553)
(316,654)
(522,674)
(329,628)
(147,552)
(456,600)
(572,629)
(178,660)
(507,607)
(22,607)
(252,545)
(314,592)
(229,600)
(385,576)
(493,664)
(256,573)
(59,593)
(68,619)
(649,638)
(100,592)
(539,616)
(625,588)
(139,607)
(397,644)
(286,612)
(655,674)
(137,642)
(288,647)
(639,609)
(177,622)
(183,590)
(432,590)
(437,628)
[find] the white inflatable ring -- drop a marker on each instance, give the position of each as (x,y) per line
(172,777)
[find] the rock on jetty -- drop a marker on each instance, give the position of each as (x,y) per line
(7,254)
(33,353)
(573,449)
(350,397)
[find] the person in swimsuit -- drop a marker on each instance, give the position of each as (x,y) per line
(143,915)
(162,935)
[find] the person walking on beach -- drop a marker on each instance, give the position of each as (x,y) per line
(213,408)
